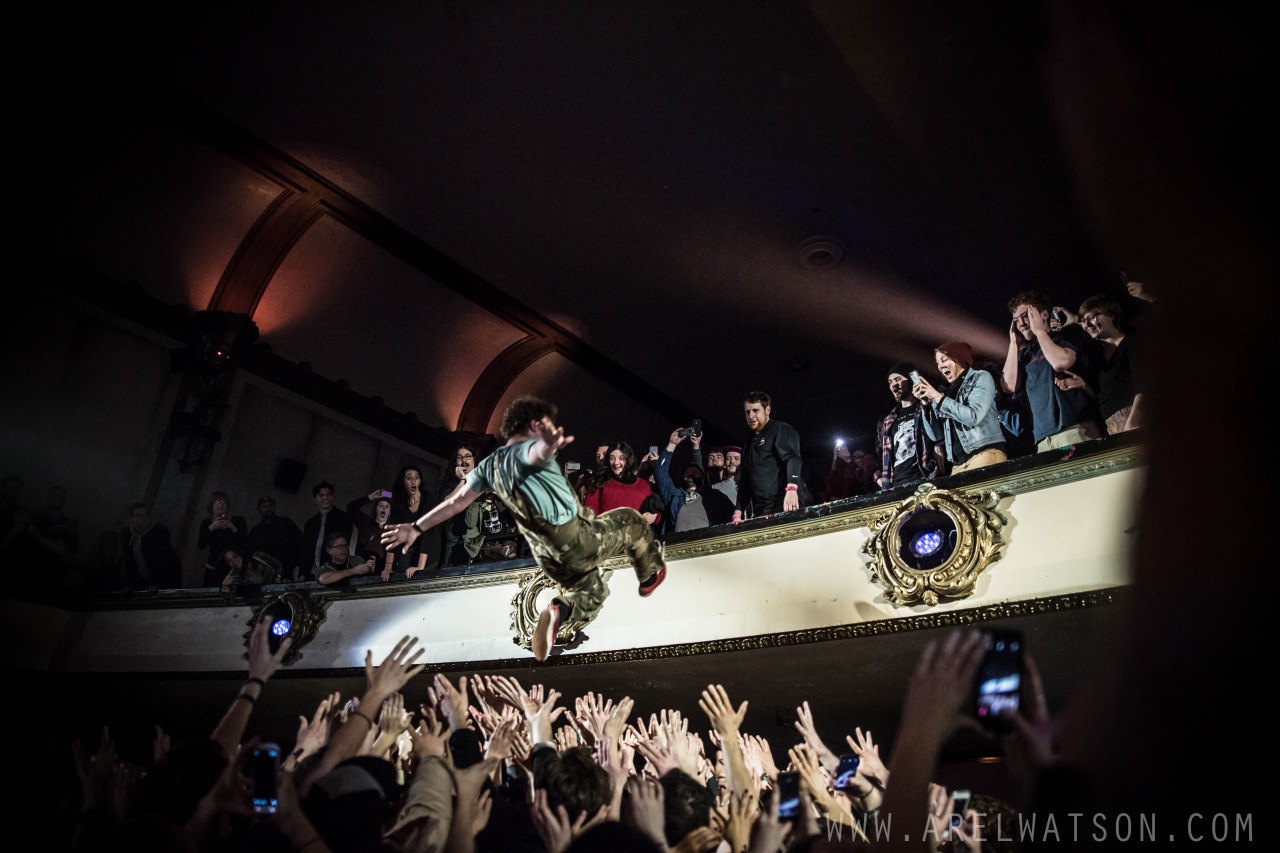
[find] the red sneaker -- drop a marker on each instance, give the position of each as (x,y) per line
(544,636)
(647,588)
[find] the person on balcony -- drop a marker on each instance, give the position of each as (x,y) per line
(908,456)
(770,481)
(1036,357)
(691,505)
(964,417)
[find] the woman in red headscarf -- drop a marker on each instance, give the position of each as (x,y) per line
(963,417)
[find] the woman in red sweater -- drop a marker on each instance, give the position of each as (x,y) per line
(618,485)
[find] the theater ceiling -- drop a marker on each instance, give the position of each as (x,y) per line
(640,210)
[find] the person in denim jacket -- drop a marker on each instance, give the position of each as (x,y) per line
(963,417)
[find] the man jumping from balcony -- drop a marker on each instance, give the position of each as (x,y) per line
(568,541)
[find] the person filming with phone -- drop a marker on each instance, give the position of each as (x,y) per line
(964,417)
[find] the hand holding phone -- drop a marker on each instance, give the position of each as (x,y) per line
(998,681)
(846,770)
(264,767)
(788,795)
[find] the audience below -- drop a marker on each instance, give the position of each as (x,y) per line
(488,764)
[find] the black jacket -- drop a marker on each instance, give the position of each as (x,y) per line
(770,461)
(336,522)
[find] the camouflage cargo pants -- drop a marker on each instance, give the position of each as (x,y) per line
(571,554)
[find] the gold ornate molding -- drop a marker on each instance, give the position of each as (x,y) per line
(1041,477)
(893,625)
(1064,472)
(525,612)
(950,569)
(304,613)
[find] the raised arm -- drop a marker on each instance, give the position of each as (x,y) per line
(394,672)
(549,440)
(262,665)
(1059,357)
(1009,375)
(727,723)
(935,694)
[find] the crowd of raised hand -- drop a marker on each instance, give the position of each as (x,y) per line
(488,764)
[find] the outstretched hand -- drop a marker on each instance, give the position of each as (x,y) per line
(804,725)
(395,670)
(869,763)
(262,663)
(550,440)
(719,710)
(940,685)
(555,828)
(400,536)
(451,701)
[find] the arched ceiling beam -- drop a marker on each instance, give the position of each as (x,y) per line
(497,378)
(263,249)
(312,195)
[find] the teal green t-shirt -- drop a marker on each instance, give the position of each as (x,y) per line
(528,489)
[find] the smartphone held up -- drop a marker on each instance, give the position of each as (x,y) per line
(998,681)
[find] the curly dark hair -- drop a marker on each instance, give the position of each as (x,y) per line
(596,481)
(1034,298)
(631,464)
(523,410)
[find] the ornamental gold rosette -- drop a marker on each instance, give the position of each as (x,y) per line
(934,544)
(302,613)
(525,611)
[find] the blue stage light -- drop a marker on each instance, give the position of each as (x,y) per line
(926,543)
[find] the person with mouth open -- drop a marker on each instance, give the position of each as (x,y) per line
(963,417)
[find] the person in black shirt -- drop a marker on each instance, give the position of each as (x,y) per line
(908,456)
(770,480)
(276,535)
(148,556)
(1119,389)
(220,532)
(329,520)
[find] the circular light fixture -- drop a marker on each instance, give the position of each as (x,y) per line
(820,252)
(927,543)
(281,627)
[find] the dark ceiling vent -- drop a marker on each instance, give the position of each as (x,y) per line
(820,252)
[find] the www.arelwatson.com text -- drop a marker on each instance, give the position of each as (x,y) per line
(1077,826)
